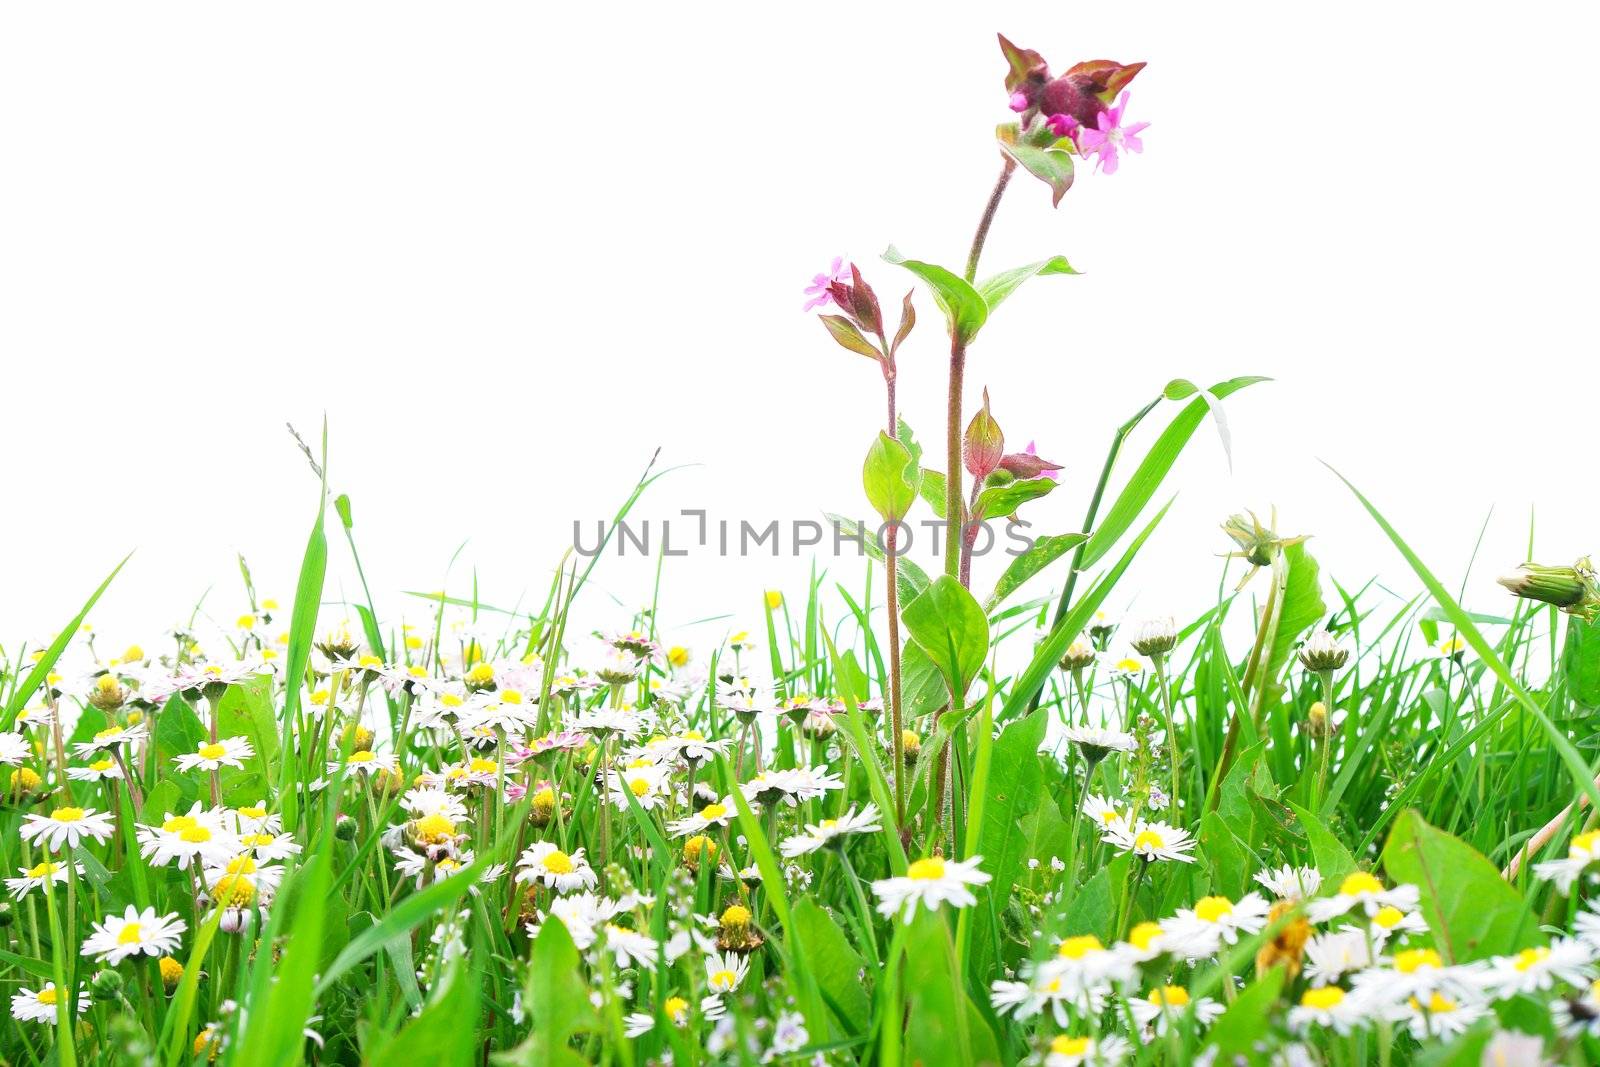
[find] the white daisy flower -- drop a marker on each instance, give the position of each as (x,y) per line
(1291,883)
(36,876)
(1331,956)
(792,785)
(1145,942)
(134,933)
(14,749)
(1576,1016)
(267,846)
(200,835)
(1415,972)
(365,761)
(29,1006)
(68,827)
(1097,743)
(213,755)
(1389,921)
(1581,854)
(629,947)
(1165,1006)
(693,746)
(98,771)
(1214,921)
(602,723)
(930,882)
(1066,1050)
(545,863)
(582,914)
(1438,1015)
(1537,969)
(256,817)
(1363,890)
(264,878)
(647,784)
(1328,1007)
(819,835)
(717,813)
(1151,840)
(112,737)
(725,971)
(1103,812)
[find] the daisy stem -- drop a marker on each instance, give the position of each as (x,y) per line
(1160,662)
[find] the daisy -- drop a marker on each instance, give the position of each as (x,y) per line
(1414,972)
(543,862)
(1145,942)
(365,761)
(647,785)
(601,723)
(213,755)
(1326,1006)
(1390,921)
(98,771)
(36,876)
(1536,969)
(1167,1004)
(199,835)
(1290,883)
(1581,853)
(1066,1050)
(1576,1016)
(717,813)
(692,746)
(819,835)
(256,817)
(1364,890)
(792,785)
(630,948)
(929,882)
(725,971)
(112,737)
(582,914)
(1437,1015)
(267,846)
(263,878)
(1096,744)
(1214,921)
(1151,841)
(30,1007)
(134,933)
(1103,812)
(14,749)
(1331,956)
(67,826)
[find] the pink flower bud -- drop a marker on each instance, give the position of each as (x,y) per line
(1019,102)
(984,444)
(1062,125)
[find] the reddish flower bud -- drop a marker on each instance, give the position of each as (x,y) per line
(1026,465)
(984,444)
(1086,90)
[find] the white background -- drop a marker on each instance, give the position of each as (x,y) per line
(510,250)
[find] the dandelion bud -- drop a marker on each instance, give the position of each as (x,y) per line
(1323,652)
(1565,587)
(1079,656)
(108,693)
(1156,637)
(171,972)
(106,985)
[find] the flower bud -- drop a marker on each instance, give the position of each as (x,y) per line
(7,916)
(344,828)
(25,782)
(106,985)
(108,693)
(171,972)
(984,445)
(735,932)
(1079,655)
(911,745)
(696,848)
(1156,637)
(1319,724)
(1323,652)
(1565,587)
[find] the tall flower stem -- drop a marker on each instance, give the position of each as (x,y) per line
(953,515)
(1160,662)
(892,566)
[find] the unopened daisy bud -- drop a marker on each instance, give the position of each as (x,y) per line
(911,745)
(108,693)
(387,783)
(1079,655)
(344,828)
(1565,587)
(106,985)
(734,932)
(1323,652)
(1156,637)
(171,972)
(362,736)
(338,643)
(544,806)
(1319,724)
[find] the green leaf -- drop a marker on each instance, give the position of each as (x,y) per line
(30,684)
(441,1035)
(834,964)
(1580,657)
(1302,607)
(1229,858)
(1152,471)
(952,629)
(1238,1031)
(844,331)
(1053,166)
(1005,499)
(558,1005)
(944,1026)
(1472,911)
(911,579)
(964,310)
(1332,859)
(246,708)
(890,477)
(1043,552)
(996,289)
(1015,788)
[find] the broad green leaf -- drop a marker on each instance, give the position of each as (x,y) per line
(1053,166)
(1333,861)
(246,708)
(996,289)
(834,963)
(1472,911)
(844,331)
(922,686)
(952,629)
(911,579)
(1238,1031)
(441,1035)
(1301,608)
(890,477)
(1580,657)
(943,1026)
(1229,858)
(1152,471)
(964,310)
(1043,552)
(1004,500)
(1015,788)
(559,1006)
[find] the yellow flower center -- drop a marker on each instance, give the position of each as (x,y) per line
(131,935)
(1529,957)
(675,1007)
(736,915)
(178,823)
(253,812)
(234,889)
(1322,998)
(723,980)
(1110,816)
(1414,959)
(1144,935)
(67,815)
(256,840)
(482,674)
(480,765)
(364,756)
(1076,948)
(109,731)
(1389,917)
(241,865)
(320,697)
(1583,846)
(369,660)
(1436,1004)
(558,862)
(43,870)
(1212,909)
(1064,1045)
(171,970)
(1358,883)
(101,765)
(713,811)
(639,786)
(47,995)
(693,735)
(926,870)
(195,834)
(214,750)
(434,828)
(1173,996)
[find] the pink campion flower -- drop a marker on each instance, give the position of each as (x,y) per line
(1063,125)
(1108,138)
(818,289)
(1019,102)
